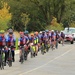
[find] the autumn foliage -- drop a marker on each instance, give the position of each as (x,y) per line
(55,25)
(5,16)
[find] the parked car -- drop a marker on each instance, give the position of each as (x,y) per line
(72,30)
(69,37)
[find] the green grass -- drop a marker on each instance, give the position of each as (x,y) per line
(16,44)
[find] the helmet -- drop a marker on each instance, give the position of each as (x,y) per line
(36,33)
(26,32)
(10,31)
(21,33)
(46,30)
(52,30)
(2,31)
(40,32)
(43,31)
(32,34)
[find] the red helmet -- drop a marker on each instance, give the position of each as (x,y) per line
(21,32)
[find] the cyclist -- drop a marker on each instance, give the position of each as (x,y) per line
(36,41)
(52,38)
(26,34)
(32,45)
(48,38)
(62,36)
(26,46)
(43,39)
(57,39)
(39,38)
(2,43)
(10,43)
(21,42)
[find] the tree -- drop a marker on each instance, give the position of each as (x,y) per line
(5,16)
(69,15)
(25,19)
(41,12)
(55,25)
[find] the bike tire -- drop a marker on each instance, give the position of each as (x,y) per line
(25,56)
(10,63)
(21,59)
(1,66)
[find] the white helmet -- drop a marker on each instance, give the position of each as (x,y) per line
(52,30)
(40,32)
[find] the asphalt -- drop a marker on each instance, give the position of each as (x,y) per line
(60,61)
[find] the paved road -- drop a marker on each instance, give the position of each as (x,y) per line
(61,61)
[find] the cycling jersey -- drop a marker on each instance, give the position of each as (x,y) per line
(36,40)
(62,35)
(10,41)
(53,36)
(43,38)
(2,41)
(57,36)
(23,40)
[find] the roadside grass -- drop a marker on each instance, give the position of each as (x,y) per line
(16,44)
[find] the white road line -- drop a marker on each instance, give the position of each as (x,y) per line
(46,63)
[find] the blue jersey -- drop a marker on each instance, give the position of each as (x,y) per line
(10,40)
(2,41)
(23,40)
(43,38)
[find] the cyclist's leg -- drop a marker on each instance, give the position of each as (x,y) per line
(20,53)
(62,41)
(36,47)
(52,44)
(13,56)
(56,44)
(31,49)
(6,56)
(45,47)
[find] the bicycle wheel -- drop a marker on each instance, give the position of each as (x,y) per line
(52,47)
(42,50)
(10,63)
(21,59)
(31,55)
(25,55)
(56,44)
(1,65)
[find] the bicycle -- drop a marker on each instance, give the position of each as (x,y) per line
(52,46)
(43,50)
(47,46)
(9,57)
(26,52)
(56,45)
(33,50)
(22,54)
(1,59)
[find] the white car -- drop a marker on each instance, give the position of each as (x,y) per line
(72,30)
(69,37)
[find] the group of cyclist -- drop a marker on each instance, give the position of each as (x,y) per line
(7,41)
(31,42)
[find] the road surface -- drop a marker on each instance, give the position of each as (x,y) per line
(60,61)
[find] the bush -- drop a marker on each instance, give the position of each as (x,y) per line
(55,27)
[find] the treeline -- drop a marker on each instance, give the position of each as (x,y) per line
(40,13)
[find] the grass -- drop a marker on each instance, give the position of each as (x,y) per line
(16,44)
